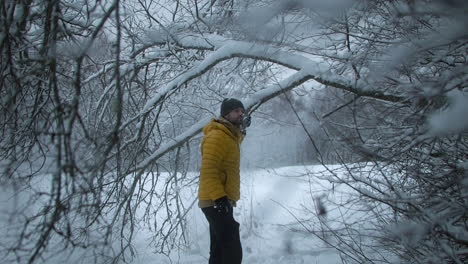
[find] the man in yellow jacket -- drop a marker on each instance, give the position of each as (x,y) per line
(219,188)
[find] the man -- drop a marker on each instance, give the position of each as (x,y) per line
(219,188)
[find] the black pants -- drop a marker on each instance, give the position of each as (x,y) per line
(225,245)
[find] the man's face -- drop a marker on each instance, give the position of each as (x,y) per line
(235,116)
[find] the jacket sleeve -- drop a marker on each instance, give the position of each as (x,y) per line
(213,153)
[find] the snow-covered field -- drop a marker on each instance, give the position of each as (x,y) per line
(272,202)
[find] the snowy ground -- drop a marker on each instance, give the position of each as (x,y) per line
(271,201)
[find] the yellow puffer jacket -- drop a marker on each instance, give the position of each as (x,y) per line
(219,173)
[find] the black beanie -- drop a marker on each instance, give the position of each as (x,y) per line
(230,104)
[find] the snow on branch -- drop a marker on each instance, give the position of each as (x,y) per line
(257,98)
(307,69)
(232,49)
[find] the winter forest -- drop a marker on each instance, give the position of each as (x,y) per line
(357,153)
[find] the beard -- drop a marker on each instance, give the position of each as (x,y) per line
(235,121)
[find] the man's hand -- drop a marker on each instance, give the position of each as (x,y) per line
(245,124)
(222,205)
(246,121)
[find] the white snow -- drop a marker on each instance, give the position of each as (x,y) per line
(272,201)
(452,120)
